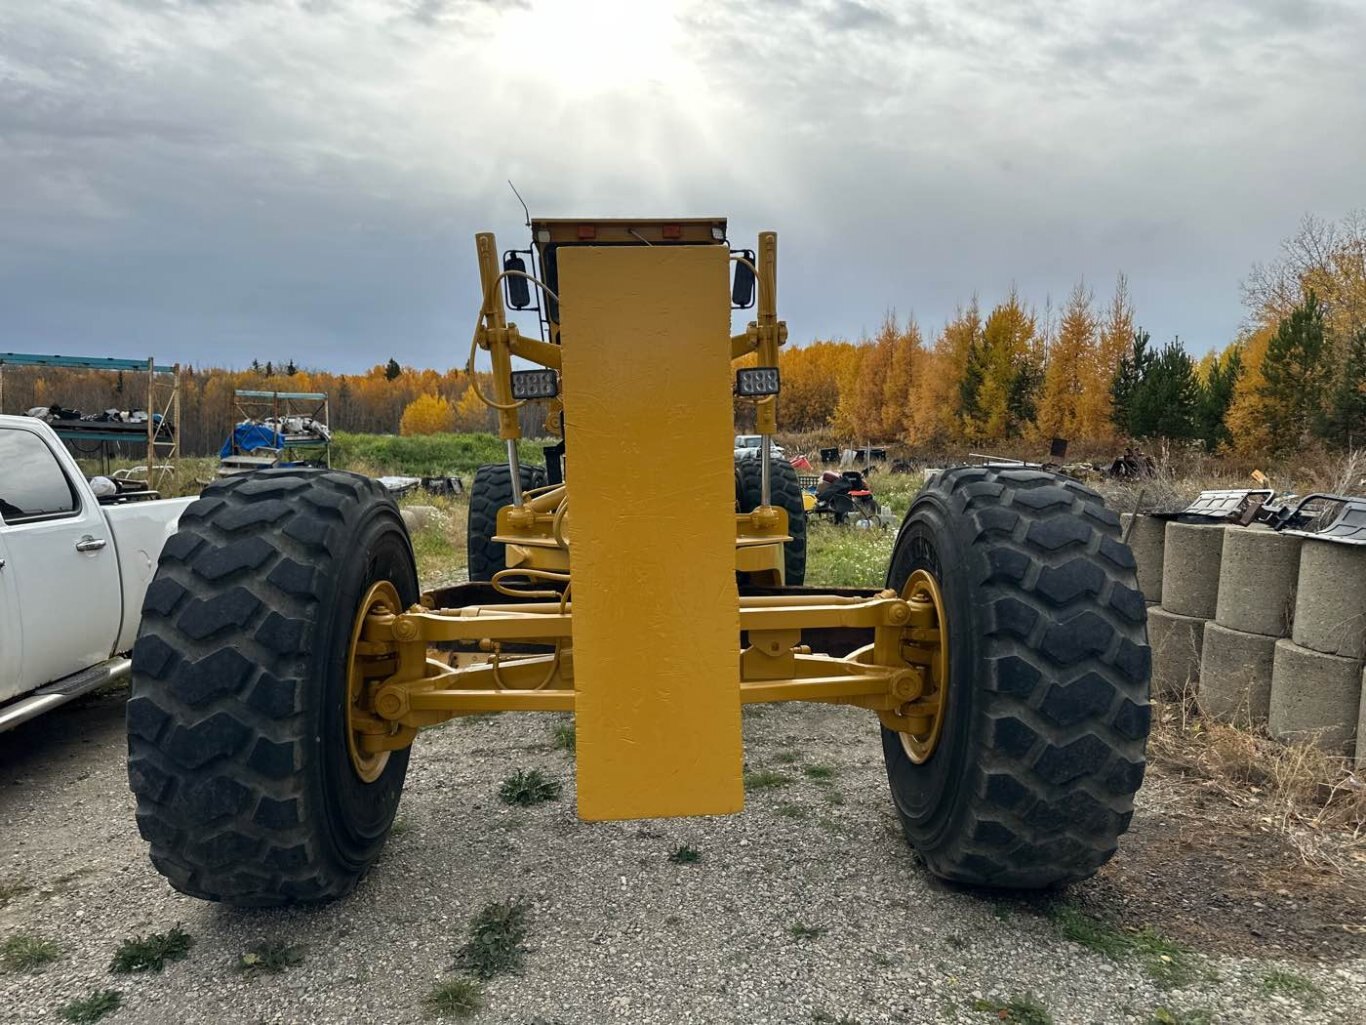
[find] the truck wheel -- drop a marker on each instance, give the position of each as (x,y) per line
(492,489)
(1023,773)
(249,786)
(787,495)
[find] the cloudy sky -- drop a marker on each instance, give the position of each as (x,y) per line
(216,180)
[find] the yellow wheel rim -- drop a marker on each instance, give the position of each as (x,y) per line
(361,668)
(925,644)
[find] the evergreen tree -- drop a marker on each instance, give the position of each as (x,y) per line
(1295,375)
(1129,375)
(1345,423)
(970,387)
(1216,395)
(291,369)
(1165,403)
(256,366)
(270,369)
(1022,403)
(392,370)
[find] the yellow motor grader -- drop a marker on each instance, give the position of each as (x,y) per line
(287,657)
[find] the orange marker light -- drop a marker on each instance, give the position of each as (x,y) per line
(588,231)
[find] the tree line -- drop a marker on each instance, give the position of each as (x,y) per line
(1294,376)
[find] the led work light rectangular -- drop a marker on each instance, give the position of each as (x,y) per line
(755,382)
(535,384)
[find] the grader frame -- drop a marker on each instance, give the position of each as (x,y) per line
(513,639)
(286,655)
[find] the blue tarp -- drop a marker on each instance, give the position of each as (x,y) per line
(249,437)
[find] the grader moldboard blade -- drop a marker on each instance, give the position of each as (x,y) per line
(282,668)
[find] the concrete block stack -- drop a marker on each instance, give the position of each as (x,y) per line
(1147,538)
(1258,571)
(1191,558)
(1317,674)
(1268,628)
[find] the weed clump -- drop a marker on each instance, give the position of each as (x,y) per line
(455,998)
(269,959)
(91,1008)
(26,953)
(529,787)
(496,940)
(150,953)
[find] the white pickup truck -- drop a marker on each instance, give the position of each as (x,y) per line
(73,572)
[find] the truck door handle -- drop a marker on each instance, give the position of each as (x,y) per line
(90,544)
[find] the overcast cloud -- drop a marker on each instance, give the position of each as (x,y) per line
(214,180)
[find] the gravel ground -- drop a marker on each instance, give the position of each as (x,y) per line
(618,933)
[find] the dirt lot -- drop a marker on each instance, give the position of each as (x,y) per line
(807,908)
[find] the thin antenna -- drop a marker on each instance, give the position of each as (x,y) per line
(520,200)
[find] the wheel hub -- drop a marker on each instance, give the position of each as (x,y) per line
(925,644)
(366,667)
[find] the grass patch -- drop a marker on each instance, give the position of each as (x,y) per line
(400,827)
(11,888)
(439,545)
(421,455)
(269,959)
(846,556)
(150,953)
(833,797)
(802,931)
(792,811)
(826,1018)
(455,998)
(1022,1010)
(821,773)
(787,757)
(528,788)
(1279,982)
(766,779)
(1166,962)
(564,738)
(685,855)
(91,1008)
(496,937)
(25,953)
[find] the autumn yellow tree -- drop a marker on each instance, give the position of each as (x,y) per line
(471,414)
(427,414)
(810,384)
(1069,357)
(858,414)
(1000,373)
(1095,405)
(934,413)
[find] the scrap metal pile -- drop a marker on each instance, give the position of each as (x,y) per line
(134,422)
(1327,517)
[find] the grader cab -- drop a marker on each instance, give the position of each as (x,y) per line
(287,658)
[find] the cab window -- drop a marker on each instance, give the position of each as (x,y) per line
(32,484)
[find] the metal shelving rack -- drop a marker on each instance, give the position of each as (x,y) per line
(163,398)
(279,405)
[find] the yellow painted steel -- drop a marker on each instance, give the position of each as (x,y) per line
(647,385)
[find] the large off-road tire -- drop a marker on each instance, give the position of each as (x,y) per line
(492,489)
(1042,743)
(237,723)
(785,493)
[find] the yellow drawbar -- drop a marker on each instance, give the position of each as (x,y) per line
(645,337)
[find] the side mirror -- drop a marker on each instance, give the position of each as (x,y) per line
(742,287)
(518,289)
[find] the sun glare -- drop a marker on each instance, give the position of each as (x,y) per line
(595,45)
